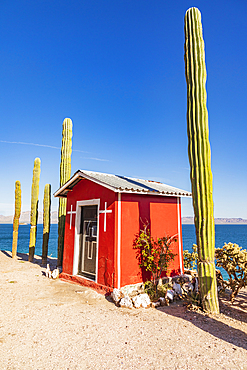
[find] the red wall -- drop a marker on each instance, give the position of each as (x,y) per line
(161,213)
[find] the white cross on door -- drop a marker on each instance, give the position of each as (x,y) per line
(71,213)
(105,211)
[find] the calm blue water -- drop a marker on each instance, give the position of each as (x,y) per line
(223,233)
(6,231)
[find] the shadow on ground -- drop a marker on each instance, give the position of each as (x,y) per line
(213,324)
(36,260)
(236,310)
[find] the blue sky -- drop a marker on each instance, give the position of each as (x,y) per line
(116,68)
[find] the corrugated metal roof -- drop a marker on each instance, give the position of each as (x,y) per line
(122,184)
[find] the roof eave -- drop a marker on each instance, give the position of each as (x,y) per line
(63,190)
(184,195)
(79,173)
(58,194)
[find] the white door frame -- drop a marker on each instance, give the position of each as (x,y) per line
(180,237)
(79,204)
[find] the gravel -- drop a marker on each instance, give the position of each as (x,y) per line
(51,324)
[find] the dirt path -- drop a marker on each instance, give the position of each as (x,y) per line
(50,324)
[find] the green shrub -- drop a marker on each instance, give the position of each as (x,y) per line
(154,255)
(155,290)
(233,259)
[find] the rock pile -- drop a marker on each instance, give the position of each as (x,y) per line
(134,296)
(51,274)
(131,297)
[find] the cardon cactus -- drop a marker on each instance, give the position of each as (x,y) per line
(200,158)
(34,208)
(46,221)
(16,217)
(65,171)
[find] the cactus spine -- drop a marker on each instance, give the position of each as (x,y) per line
(200,158)
(65,171)
(16,217)
(34,208)
(46,221)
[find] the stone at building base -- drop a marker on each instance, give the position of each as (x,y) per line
(141,300)
(170,295)
(126,302)
(117,295)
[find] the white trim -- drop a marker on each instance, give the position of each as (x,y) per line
(105,211)
(119,241)
(71,212)
(153,193)
(73,178)
(179,237)
(79,204)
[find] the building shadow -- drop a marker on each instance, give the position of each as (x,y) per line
(236,310)
(210,324)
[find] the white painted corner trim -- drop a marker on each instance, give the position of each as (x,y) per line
(119,242)
(179,237)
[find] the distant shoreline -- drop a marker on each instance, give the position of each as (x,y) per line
(218,221)
(8,220)
(25,218)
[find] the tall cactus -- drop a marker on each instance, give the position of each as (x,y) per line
(200,158)
(46,221)
(16,217)
(34,208)
(65,171)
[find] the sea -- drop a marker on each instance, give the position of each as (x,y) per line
(223,234)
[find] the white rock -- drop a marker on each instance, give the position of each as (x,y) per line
(48,271)
(137,301)
(116,295)
(188,287)
(196,284)
(141,300)
(155,304)
(126,302)
(177,288)
(55,274)
(163,301)
(170,294)
(186,277)
(132,290)
(160,283)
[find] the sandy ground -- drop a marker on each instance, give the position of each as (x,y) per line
(50,324)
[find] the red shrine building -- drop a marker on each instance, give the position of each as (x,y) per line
(104,214)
